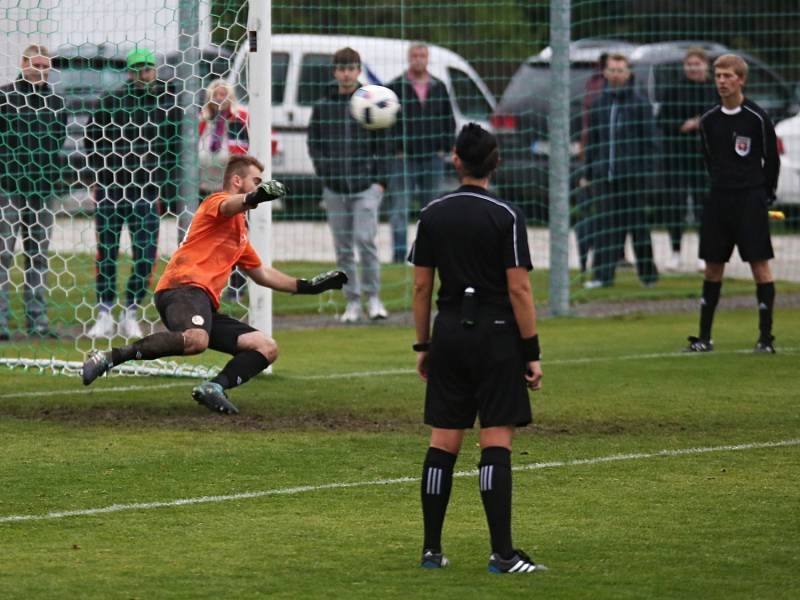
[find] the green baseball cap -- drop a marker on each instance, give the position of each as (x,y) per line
(141,58)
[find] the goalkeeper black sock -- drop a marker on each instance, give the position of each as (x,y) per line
(495,484)
(164,343)
(437,481)
(241,368)
(708,304)
(765,292)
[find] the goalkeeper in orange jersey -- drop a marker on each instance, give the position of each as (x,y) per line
(187,295)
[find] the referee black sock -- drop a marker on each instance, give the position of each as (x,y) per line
(437,481)
(495,484)
(241,368)
(708,304)
(765,292)
(164,343)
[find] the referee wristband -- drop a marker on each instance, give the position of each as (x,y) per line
(530,348)
(421,347)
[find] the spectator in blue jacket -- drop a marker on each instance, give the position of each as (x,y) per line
(620,157)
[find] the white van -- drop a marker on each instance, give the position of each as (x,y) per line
(302,73)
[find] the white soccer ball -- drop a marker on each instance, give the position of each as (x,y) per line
(374,106)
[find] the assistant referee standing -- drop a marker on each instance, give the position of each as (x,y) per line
(741,153)
(484,352)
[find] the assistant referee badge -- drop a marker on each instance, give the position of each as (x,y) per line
(198,320)
(742,145)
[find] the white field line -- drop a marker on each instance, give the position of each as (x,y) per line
(72,392)
(289,491)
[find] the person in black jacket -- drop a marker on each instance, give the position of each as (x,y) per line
(32,135)
(683,101)
(424,136)
(133,142)
(351,162)
(741,153)
(619,162)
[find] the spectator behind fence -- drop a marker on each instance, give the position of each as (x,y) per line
(683,101)
(32,134)
(352,163)
(133,145)
(619,162)
(424,136)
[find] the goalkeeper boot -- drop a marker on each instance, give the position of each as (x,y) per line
(213,397)
(765,345)
(433,560)
(699,345)
(97,364)
(518,563)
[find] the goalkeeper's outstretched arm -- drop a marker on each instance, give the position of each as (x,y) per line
(277,280)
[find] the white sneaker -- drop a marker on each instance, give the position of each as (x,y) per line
(592,284)
(103,327)
(376,309)
(674,262)
(352,313)
(129,326)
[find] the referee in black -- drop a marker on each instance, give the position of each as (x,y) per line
(741,155)
(484,351)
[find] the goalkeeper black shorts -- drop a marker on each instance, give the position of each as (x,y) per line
(477,371)
(190,307)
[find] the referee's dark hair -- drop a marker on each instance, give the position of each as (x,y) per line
(477,149)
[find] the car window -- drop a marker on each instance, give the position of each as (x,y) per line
(766,90)
(280,66)
(468,96)
(531,85)
(316,77)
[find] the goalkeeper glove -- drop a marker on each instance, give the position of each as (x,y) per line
(332,280)
(269,190)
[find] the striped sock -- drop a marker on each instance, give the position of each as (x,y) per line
(437,480)
(495,483)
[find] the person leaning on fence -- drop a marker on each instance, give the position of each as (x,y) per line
(682,103)
(222,133)
(619,162)
(187,295)
(484,351)
(741,152)
(352,164)
(423,136)
(32,135)
(133,141)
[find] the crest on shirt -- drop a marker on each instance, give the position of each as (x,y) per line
(742,145)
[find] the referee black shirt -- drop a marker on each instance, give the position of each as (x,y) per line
(471,237)
(740,148)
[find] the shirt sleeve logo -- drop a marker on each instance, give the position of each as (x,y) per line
(742,145)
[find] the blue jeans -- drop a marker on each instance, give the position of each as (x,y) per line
(412,179)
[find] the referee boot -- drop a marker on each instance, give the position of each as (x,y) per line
(213,397)
(518,563)
(698,345)
(765,345)
(97,364)
(433,560)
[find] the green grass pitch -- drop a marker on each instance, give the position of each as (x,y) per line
(344,407)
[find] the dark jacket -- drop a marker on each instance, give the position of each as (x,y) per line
(134,136)
(347,157)
(681,100)
(33,128)
(622,138)
(423,129)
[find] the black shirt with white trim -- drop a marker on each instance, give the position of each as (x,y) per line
(740,148)
(471,237)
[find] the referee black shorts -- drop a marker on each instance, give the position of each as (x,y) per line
(735,218)
(476,372)
(190,307)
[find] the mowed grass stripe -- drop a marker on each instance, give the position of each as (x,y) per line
(666,453)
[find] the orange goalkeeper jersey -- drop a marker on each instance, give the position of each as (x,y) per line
(213,245)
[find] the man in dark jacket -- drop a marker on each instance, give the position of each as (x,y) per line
(682,103)
(351,161)
(619,161)
(424,135)
(32,134)
(133,145)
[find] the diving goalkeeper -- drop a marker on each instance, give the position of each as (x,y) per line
(187,295)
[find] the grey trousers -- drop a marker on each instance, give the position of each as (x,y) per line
(30,218)
(353,219)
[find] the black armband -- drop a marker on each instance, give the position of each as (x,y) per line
(530,348)
(421,347)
